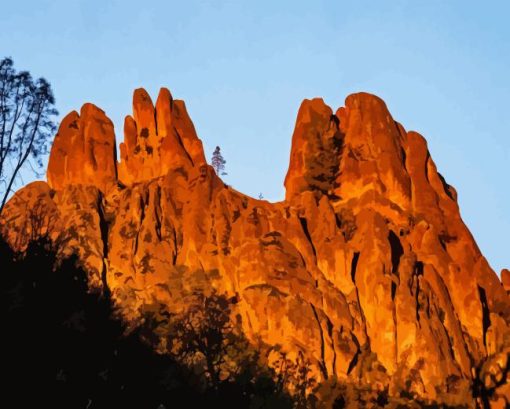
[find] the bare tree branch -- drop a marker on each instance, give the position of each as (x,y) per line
(26,115)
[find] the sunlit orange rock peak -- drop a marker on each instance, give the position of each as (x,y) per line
(366,267)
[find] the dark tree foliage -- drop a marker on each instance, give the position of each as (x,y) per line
(27,109)
(64,348)
(204,336)
(205,339)
(218,162)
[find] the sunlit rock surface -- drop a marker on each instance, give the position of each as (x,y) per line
(366,267)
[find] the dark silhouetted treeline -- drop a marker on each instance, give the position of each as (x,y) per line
(63,348)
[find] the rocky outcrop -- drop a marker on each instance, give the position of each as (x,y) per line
(366,267)
(315,154)
(158,139)
(84,151)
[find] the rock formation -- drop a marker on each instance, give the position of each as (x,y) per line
(83,151)
(366,267)
(505,279)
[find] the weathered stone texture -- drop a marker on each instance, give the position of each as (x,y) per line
(366,266)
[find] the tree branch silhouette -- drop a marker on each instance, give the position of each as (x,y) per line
(27,109)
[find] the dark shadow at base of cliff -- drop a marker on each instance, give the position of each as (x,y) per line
(62,348)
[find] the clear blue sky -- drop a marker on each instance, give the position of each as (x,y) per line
(243,68)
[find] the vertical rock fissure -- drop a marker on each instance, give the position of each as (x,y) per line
(354,265)
(404,159)
(354,360)
(322,364)
(174,258)
(486,322)
(396,253)
(449,339)
(305,266)
(427,167)
(115,163)
(157,206)
(304,226)
(156,121)
(418,271)
(142,217)
(330,334)
(103,229)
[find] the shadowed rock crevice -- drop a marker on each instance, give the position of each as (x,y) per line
(354,265)
(354,361)
(104,229)
(179,140)
(304,226)
(486,322)
(417,273)
(322,364)
(158,213)
(396,253)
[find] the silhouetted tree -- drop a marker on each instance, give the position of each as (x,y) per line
(206,340)
(295,375)
(218,162)
(27,108)
(204,337)
(63,345)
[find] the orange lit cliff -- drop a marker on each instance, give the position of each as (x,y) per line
(366,267)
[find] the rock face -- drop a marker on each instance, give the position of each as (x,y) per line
(84,151)
(365,268)
(157,139)
(505,279)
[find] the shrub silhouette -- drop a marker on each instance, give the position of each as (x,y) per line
(65,348)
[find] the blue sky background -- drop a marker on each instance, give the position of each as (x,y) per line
(243,69)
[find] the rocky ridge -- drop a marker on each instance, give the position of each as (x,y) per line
(366,267)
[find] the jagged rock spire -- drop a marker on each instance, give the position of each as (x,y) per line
(158,139)
(84,151)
